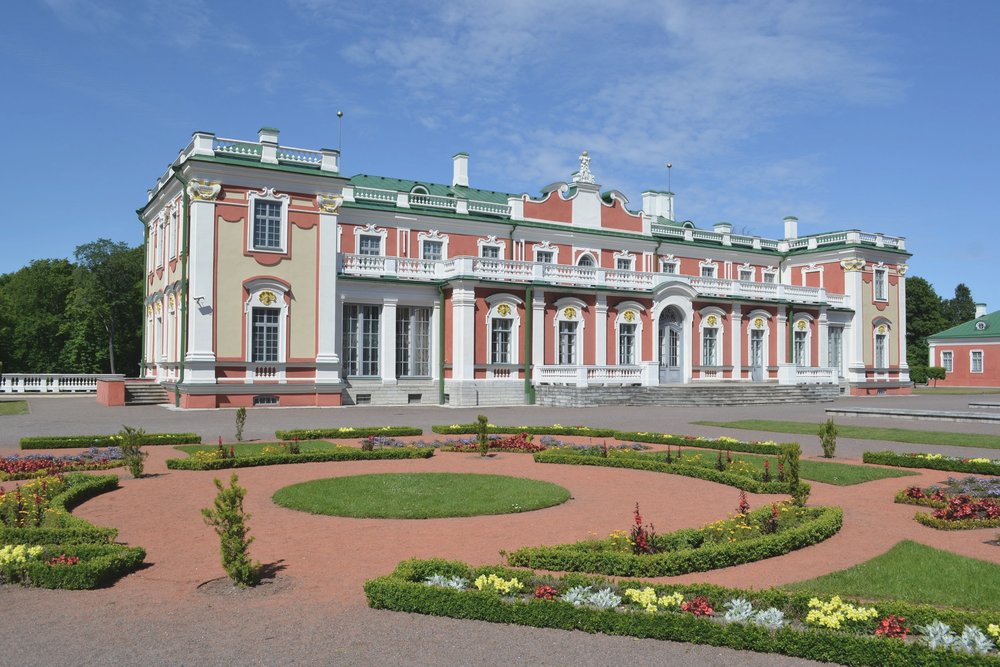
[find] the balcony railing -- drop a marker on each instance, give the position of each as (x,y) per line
(595,376)
(505,270)
(52,383)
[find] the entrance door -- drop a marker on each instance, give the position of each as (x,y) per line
(757,355)
(671,347)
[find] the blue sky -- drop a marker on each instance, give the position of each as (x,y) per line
(878,116)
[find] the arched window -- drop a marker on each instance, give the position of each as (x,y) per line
(628,326)
(569,327)
(266,312)
(758,332)
(586,260)
(801,334)
(711,337)
(503,324)
(881,344)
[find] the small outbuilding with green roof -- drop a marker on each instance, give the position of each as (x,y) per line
(969,352)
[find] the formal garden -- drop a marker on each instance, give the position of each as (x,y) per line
(909,606)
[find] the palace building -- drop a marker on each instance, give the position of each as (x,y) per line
(273,279)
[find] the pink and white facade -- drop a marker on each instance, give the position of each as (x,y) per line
(273,279)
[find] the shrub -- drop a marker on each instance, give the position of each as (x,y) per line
(130,442)
(828,438)
(346,432)
(339,454)
(936,373)
(724,442)
(642,538)
(482,434)
(981,466)
(241,420)
(72,441)
(555,429)
(228,518)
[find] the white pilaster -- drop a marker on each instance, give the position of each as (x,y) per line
(855,333)
(601,330)
(736,340)
(538,328)
(200,357)
(823,345)
(782,336)
(387,353)
(327,359)
(904,366)
(463,337)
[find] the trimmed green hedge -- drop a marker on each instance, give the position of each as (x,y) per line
(689,441)
(71,529)
(346,432)
(697,557)
(906,461)
(931,521)
(465,429)
(100,564)
(343,454)
(640,462)
(904,499)
(404,591)
(69,441)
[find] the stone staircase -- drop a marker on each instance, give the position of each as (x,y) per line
(145,393)
(685,395)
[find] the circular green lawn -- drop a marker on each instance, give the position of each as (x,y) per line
(427,495)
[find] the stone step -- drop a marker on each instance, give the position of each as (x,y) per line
(687,396)
(145,393)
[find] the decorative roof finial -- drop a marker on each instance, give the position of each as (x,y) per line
(584,175)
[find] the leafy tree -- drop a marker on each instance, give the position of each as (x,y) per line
(962,308)
(923,319)
(107,298)
(32,306)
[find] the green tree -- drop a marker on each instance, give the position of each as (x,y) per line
(108,298)
(961,308)
(923,319)
(32,306)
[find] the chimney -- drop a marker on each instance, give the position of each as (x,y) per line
(460,169)
(268,135)
(791,227)
(658,204)
(722,228)
(980,310)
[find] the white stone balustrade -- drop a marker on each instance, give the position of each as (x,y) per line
(792,374)
(52,383)
(594,376)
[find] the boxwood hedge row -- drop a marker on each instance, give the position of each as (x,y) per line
(911,461)
(342,454)
(69,441)
(346,432)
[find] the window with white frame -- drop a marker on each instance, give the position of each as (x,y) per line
(431,249)
(800,343)
(976,361)
(265,334)
(502,324)
(569,326)
(881,359)
(266,313)
(501,339)
(769,276)
(746,273)
(266,224)
(567,343)
(172,228)
(413,342)
(671,266)
(948,361)
(628,325)
(369,244)
(361,340)
(711,340)
(489,251)
(161,241)
(708,270)
(586,259)
(624,261)
(544,256)
(626,343)
(881,284)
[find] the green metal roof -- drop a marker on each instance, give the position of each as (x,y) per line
(972,328)
(404,185)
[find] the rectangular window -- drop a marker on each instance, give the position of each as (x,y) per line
(544,256)
(948,361)
(567,343)
(623,264)
(799,348)
(976,361)
(500,340)
(490,252)
(264,334)
(361,340)
(668,267)
(708,270)
(746,275)
(433,250)
(626,344)
(709,347)
(413,342)
(770,277)
(835,348)
(881,289)
(266,225)
(881,350)
(369,245)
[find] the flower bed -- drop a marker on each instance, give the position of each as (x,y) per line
(337,454)
(744,538)
(70,441)
(960,504)
(346,432)
(42,544)
(768,621)
(980,465)
(35,465)
(555,429)
(741,477)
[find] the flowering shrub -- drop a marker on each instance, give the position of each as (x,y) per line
(493,583)
(642,537)
(892,626)
(520,442)
(545,592)
(977,465)
(699,606)
(32,465)
(27,506)
(836,613)
(62,559)
(647,599)
(744,505)
(963,507)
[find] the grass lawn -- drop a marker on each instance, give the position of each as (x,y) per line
(954,391)
(254,448)
(420,495)
(915,573)
(867,433)
(828,472)
(13,407)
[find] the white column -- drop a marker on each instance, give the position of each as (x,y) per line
(538,328)
(463,337)
(855,333)
(200,357)
(904,367)
(387,353)
(782,337)
(327,359)
(823,345)
(601,330)
(737,341)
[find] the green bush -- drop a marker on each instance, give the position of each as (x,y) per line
(951,465)
(936,373)
(646,462)
(960,524)
(346,432)
(689,550)
(72,441)
(100,565)
(404,591)
(828,438)
(342,454)
(730,444)
(228,518)
(241,421)
(130,442)
(918,374)
(472,429)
